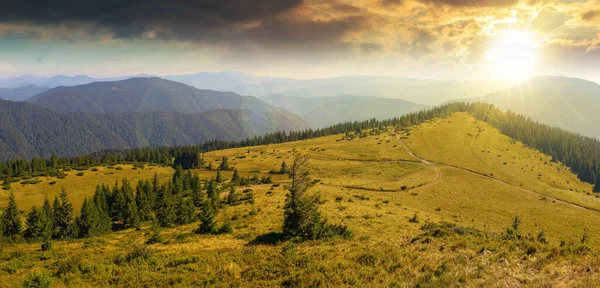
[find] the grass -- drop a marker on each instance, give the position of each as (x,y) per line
(390,249)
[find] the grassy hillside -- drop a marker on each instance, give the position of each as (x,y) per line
(394,202)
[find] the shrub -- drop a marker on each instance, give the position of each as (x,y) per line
(119,168)
(414,219)
(94,169)
(80,173)
(52,183)
(37,280)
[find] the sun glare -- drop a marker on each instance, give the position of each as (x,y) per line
(512,56)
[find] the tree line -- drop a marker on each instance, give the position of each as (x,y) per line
(580,153)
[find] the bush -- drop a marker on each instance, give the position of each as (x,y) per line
(47,245)
(119,168)
(52,183)
(80,173)
(94,169)
(37,280)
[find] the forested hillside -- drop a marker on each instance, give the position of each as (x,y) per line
(28,130)
(140,95)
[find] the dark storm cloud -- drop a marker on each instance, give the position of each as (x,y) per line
(183,19)
(590,15)
(473,3)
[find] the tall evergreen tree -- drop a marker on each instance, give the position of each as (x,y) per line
(186,212)
(131,217)
(224,164)
(301,217)
(283,168)
(207,215)
(11,218)
(167,210)
(236,177)
(39,224)
(63,216)
(232,198)
(219,178)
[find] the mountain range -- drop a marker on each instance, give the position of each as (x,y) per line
(325,111)
(568,103)
(21,93)
(140,95)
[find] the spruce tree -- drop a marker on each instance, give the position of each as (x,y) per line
(63,216)
(212,191)
(39,225)
(283,168)
(119,203)
(224,164)
(131,217)
(100,202)
(301,217)
(186,212)
(11,218)
(167,210)
(88,222)
(219,178)
(236,177)
(207,216)
(232,198)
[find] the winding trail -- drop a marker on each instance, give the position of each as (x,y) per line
(438,173)
(433,166)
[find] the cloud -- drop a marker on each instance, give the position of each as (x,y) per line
(473,3)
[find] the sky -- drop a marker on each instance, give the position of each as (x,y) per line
(440,39)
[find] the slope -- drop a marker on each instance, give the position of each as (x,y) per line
(325,111)
(569,103)
(28,130)
(21,93)
(141,95)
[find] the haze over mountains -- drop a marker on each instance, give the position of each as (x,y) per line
(569,103)
(21,93)
(326,111)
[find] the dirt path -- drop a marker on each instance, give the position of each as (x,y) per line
(432,164)
(438,173)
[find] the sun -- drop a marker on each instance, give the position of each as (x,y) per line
(512,56)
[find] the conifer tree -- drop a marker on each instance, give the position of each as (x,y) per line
(207,217)
(283,168)
(101,205)
(186,212)
(219,178)
(224,164)
(209,167)
(131,217)
(301,217)
(88,222)
(11,218)
(236,177)
(167,210)
(232,198)
(212,191)
(63,216)
(119,203)
(39,224)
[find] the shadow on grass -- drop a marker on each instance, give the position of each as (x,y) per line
(271,238)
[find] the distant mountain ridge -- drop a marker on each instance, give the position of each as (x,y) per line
(21,93)
(569,103)
(142,95)
(420,91)
(325,111)
(29,130)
